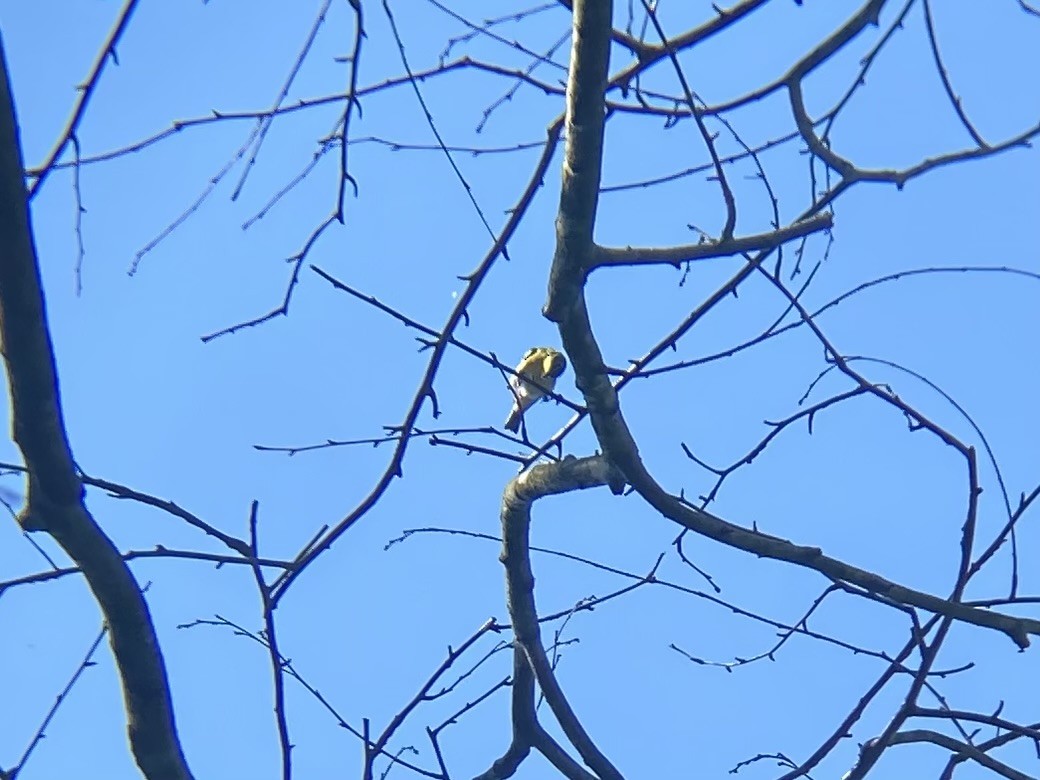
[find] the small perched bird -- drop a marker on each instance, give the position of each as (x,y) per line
(536,375)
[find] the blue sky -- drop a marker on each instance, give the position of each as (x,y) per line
(151,406)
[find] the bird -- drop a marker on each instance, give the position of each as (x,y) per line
(535,376)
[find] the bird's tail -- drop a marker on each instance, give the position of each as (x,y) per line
(513,420)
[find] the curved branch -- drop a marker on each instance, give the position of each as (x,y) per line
(960,749)
(538,482)
(55,496)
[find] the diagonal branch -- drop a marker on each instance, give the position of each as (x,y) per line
(960,749)
(955,100)
(425,391)
(698,118)
(85,93)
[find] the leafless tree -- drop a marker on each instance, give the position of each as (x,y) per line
(634,70)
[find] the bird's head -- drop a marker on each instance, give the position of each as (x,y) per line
(555,363)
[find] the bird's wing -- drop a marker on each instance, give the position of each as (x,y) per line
(520,386)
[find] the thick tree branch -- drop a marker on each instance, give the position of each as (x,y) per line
(55,495)
(566,306)
(537,482)
(583,155)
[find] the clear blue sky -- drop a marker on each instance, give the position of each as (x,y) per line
(149,405)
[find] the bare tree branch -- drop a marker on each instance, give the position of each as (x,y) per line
(540,481)
(676,255)
(55,496)
(86,91)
